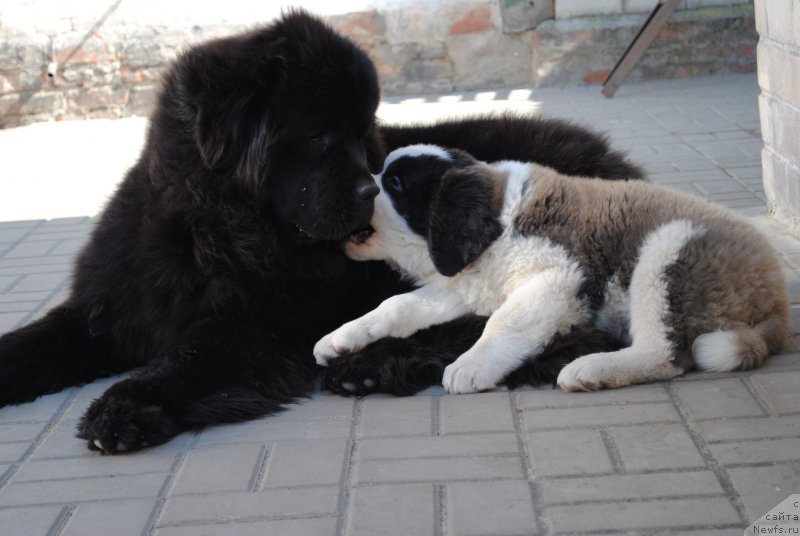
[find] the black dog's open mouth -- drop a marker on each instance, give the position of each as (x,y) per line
(360,236)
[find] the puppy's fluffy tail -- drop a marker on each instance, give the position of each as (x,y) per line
(742,347)
(48,355)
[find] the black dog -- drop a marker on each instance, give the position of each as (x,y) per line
(216,266)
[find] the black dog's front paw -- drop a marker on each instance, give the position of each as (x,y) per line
(115,423)
(395,366)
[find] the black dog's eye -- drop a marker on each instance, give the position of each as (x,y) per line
(394,183)
(319,140)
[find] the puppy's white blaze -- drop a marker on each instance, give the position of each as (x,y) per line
(413,151)
(716,351)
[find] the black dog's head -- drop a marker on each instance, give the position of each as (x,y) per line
(436,205)
(287,111)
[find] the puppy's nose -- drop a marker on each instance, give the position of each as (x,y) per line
(366,191)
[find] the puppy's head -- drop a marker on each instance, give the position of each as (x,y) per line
(437,209)
(286,112)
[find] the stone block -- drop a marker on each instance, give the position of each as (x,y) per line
(596,415)
(235,506)
(120,518)
(83,489)
(481,412)
(222,468)
(384,510)
(306,463)
(569,452)
(490,59)
(438,469)
(641,515)
(761,488)
(502,508)
(661,446)
(396,416)
(780,19)
(566,9)
(316,526)
(30,521)
(781,391)
(714,399)
(629,487)
(438,446)
(757,451)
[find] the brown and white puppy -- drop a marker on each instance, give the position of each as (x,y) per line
(687,282)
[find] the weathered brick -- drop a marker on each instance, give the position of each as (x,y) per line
(569,452)
(221,468)
(235,506)
(120,518)
(83,489)
(305,463)
(386,510)
(490,508)
(761,488)
(33,521)
(319,526)
(39,411)
(673,513)
(396,416)
(555,398)
(597,415)
(755,428)
(95,465)
(712,399)
(480,412)
(438,469)
(11,452)
(757,451)
(781,390)
(45,281)
(660,446)
(624,487)
(439,446)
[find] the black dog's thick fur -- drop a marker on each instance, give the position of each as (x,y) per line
(216,265)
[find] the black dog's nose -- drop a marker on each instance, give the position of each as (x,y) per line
(366,191)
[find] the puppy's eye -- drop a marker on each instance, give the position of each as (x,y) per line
(394,183)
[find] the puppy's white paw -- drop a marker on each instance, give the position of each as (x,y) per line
(584,374)
(345,340)
(468,375)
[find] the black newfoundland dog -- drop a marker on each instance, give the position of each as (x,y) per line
(217,264)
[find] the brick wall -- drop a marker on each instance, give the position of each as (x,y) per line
(778,25)
(105,57)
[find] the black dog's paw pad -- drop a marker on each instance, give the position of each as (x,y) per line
(113,425)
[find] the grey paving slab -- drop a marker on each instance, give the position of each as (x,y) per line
(702,455)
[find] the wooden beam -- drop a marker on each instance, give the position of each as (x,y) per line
(657,19)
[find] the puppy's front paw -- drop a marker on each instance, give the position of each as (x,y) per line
(347,339)
(468,375)
(583,374)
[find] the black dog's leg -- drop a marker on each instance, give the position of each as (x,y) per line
(405,366)
(192,387)
(54,352)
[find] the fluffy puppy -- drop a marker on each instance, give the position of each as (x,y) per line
(688,283)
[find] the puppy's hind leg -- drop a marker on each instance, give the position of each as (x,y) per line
(651,357)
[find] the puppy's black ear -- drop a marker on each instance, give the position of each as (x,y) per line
(463,218)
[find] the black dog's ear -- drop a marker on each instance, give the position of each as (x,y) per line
(374,148)
(463,218)
(230,95)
